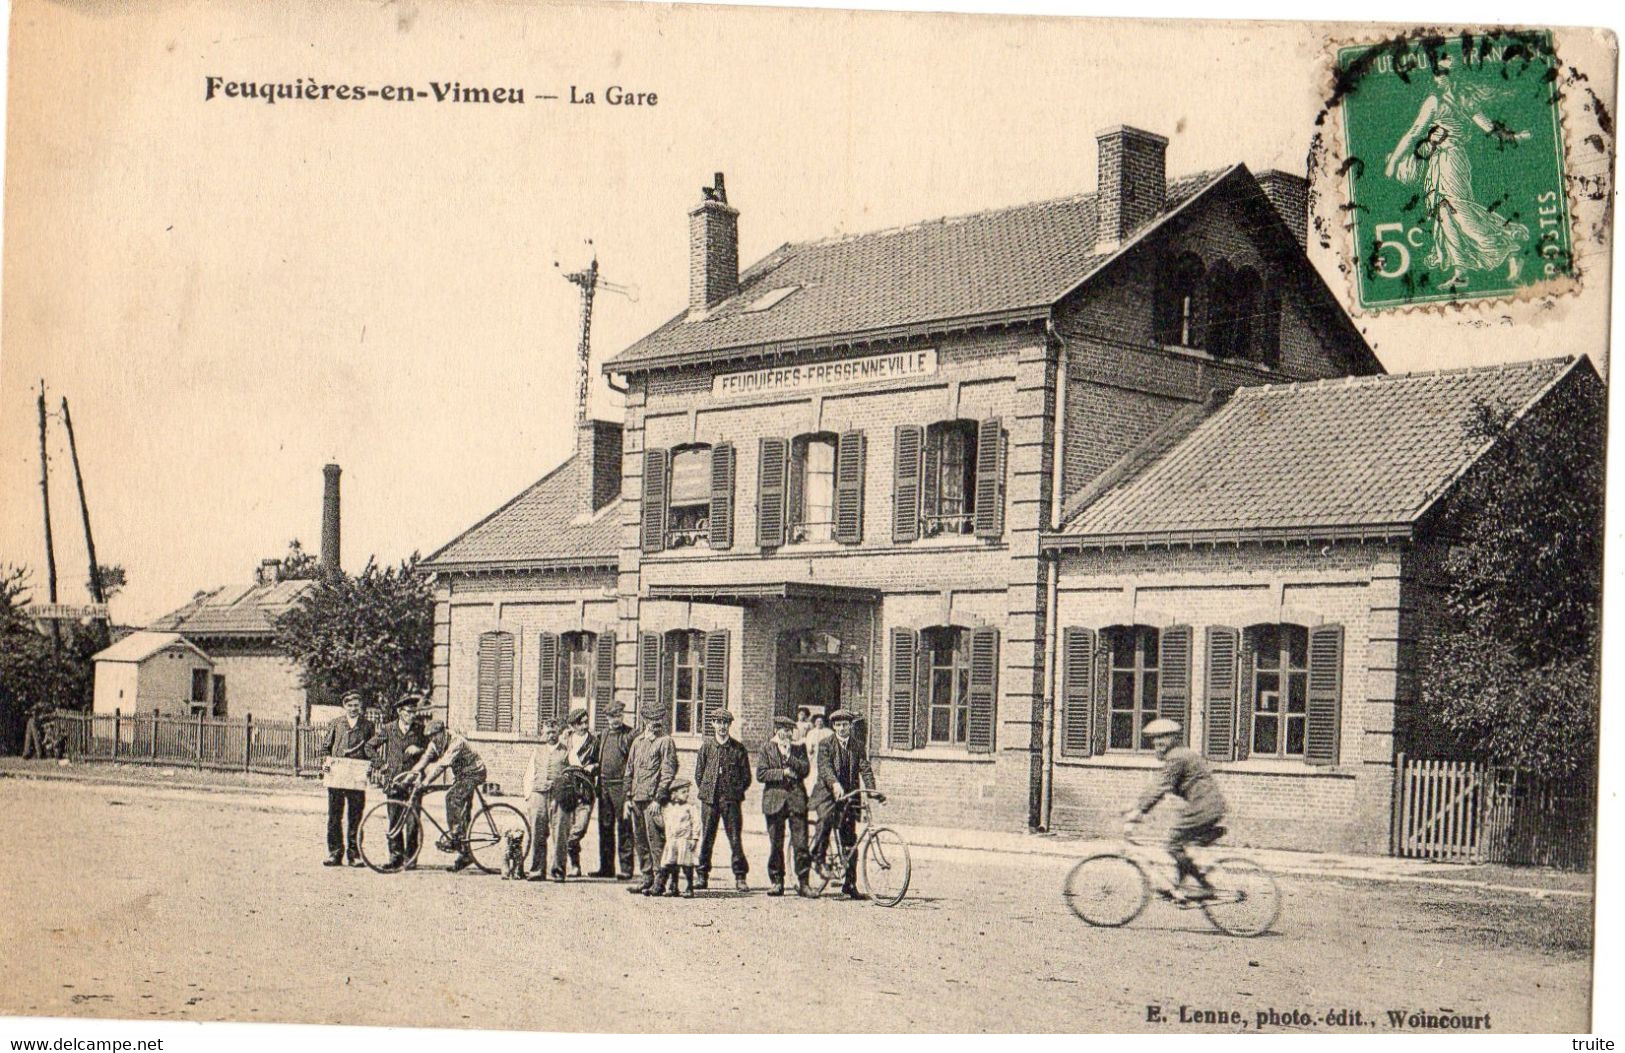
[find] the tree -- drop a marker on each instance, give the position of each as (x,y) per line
(1512,675)
(298,565)
(34,675)
(113,580)
(372,632)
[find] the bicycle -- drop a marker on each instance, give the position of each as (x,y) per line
(882,855)
(1110,889)
(485,840)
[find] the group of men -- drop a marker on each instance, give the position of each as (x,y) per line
(627,774)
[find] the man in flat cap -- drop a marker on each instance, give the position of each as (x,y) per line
(781,768)
(346,737)
(843,766)
(614,827)
(395,747)
(445,750)
(651,769)
(721,777)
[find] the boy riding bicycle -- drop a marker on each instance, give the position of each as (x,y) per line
(1186,776)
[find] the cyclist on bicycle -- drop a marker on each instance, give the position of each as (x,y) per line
(1186,776)
(447,750)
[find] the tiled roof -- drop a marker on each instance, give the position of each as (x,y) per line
(546,523)
(139,646)
(1352,453)
(234,610)
(985,264)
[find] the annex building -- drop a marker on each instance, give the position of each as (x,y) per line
(1007,486)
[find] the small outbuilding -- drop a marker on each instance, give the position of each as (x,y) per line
(149,671)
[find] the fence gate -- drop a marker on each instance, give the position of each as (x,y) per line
(1464,812)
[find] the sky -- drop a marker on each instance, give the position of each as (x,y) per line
(231,294)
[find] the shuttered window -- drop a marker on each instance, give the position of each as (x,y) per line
(948,482)
(714,681)
(984,689)
(655,494)
(684,679)
(548,685)
(989,502)
(650,704)
(576,672)
(900,725)
(1278,691)
(689,501)
(945,650)
(493,707)
(772,484)
(1174,689)
(722,496)
(1219,703)
(603,686)
(1077,690)
(849,470)
(1325,718)
(909,440)
(1134,677)
(810,488)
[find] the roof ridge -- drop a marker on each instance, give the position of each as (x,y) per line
(1290,386)
(965,217)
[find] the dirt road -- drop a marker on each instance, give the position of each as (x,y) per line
(136,902)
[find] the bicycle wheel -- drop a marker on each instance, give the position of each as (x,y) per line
(885,867)
(373,836)
(1107,890)
(1246,901)
(488,835)
(831,867)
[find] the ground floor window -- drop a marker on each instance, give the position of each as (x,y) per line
(1279,691)
(947,653)
(1133,651)
(578,653)
(685,659)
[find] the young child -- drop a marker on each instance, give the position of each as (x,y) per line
(682,821)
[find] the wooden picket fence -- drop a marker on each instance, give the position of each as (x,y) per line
(1466,812)
(267,746)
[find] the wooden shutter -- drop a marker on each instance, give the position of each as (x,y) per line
(505,682)
(551,687)
(603,679)
(714,698)
(931,481)
(722,495)
(771,476)
(656,493)
(904,643)
(649,705)
(1077,690)
(984,689)
(1219,703)
(1174,679)
(1100,717)
(990,478)
(1244,699)
(905,525)
(485,700)
(1325,702)
(849,458)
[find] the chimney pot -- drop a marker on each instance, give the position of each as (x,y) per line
(330,519)
(713,249)
(1132,183)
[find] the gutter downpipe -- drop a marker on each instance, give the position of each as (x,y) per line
(1046,774)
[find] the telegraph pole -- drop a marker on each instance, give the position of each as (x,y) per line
(96,593)
(50,549)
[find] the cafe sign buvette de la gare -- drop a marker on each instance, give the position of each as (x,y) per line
(900,365)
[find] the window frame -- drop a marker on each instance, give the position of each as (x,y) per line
(934,520)
(799,530)
(1146,678)
(685,529)
(572,647)
(692,643)
(954,641)
(1285,674)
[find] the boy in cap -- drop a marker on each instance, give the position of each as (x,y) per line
(614,826)
(721,775)
(781,768)
(582,746)
(1184,775)
(682,839)
(447,750)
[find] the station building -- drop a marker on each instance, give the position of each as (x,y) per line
(1006,486)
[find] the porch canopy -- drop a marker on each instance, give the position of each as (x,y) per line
(745,594)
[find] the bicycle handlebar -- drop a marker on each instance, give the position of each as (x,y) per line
(860,792)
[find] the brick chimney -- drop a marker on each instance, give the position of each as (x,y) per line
(1290,196)
(330,519)
(1132,185)
(598,444)
(713,249)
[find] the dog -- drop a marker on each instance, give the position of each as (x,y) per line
(513,858)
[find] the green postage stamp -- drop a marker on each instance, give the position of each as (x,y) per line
(1455,169)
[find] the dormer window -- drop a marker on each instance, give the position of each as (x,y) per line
(768,299)
(1179,303)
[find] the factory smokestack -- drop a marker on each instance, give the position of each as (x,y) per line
(330,519)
